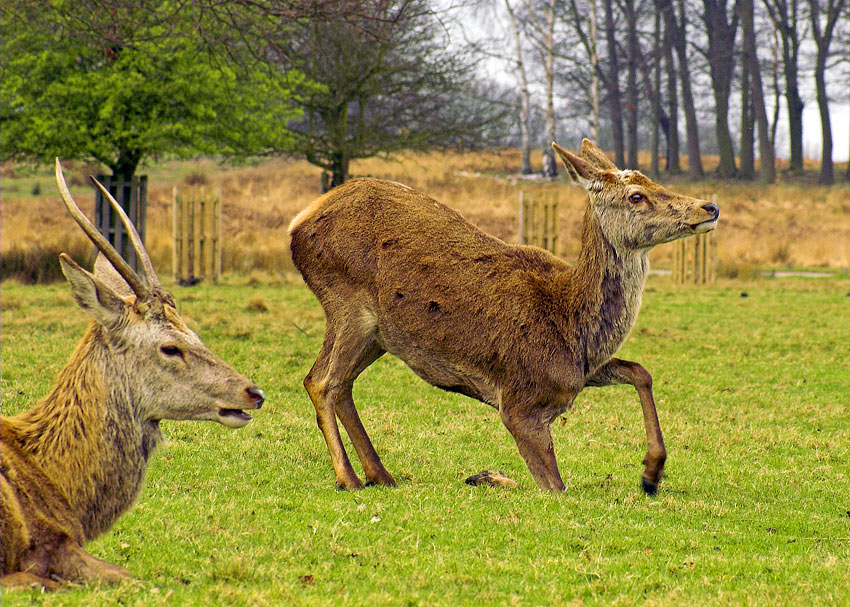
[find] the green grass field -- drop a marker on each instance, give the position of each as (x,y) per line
(754,399)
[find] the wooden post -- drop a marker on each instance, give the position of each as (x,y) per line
(694,260)
(538,221)
(175,232)
(522,215)
(217,237)
(197,237)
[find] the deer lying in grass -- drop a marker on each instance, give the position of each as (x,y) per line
(512,326)
(71,465)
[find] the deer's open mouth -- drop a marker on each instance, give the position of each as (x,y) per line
(233,418)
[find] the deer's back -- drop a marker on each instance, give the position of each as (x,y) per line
(464,309)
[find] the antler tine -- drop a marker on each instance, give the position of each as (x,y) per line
(123,268)
(138,245)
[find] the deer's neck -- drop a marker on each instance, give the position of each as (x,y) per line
(606,287)
(87,436)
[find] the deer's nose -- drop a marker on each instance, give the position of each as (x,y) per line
(712,210)
(256,395)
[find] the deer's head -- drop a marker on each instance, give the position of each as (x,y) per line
(166,368)
(633,211)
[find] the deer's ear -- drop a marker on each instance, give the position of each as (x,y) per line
(105,271)
(92,294)
(580,171)
(594,155)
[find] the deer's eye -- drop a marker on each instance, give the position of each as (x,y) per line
(636,197)
(171,351)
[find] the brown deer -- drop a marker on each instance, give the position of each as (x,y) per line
(512,326)
(71,465)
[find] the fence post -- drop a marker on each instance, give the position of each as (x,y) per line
(521,237)
(175,234)
(694,260)
(217,237)
(197,237)
(538,221)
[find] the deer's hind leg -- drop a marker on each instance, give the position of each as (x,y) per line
(349,348)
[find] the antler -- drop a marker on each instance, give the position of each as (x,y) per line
(149,274)
(123,268)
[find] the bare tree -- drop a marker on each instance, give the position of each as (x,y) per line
(544,38)
(672,165)
(721,29)
(585,26)
(633,53)
(824,16)
(677,29)
(525,94)
(656,98)
(594,61)
(747,129)
(785,15)
(390,81)
(768,169)
(612,84)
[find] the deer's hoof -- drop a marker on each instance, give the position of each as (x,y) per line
(349,484)
(491,478)
(649,487)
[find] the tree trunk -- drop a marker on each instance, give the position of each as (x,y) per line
(827,171)
(721,59)
(126,164)
(678,30)
(847,172)
(672,165)
(656,99)
(525,95)
(594,60)
(785,15)
(549,43)
(653,90)
(795,119)
(613,82)
(748,167)
(822,34)
(768,170)
(339,168)
(691,126)
(631,80)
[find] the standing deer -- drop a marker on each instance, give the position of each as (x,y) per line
(71,465)
(512,326)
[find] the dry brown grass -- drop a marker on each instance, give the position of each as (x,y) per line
(793,223)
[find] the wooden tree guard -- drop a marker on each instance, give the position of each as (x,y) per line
(132,196)
(694,259)
(538,221)
(197,237)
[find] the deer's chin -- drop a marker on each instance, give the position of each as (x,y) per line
(705,226)
(233,418)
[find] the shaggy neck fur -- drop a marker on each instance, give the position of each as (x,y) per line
(605,288)
(87,434)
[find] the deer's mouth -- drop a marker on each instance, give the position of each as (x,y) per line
(233,418)
(704,226)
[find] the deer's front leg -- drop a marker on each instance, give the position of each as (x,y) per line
(617,371)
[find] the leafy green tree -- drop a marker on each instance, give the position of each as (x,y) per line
(133,83)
